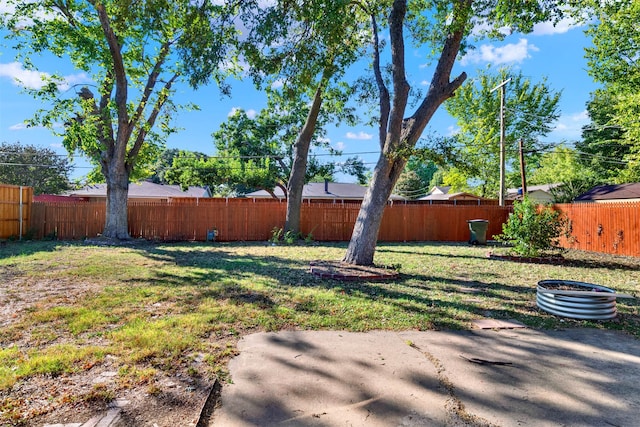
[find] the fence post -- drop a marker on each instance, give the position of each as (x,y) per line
(20,214)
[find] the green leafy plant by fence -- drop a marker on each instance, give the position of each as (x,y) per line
(533,230)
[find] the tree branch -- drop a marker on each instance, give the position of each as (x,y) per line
(120,76)
(64,10)
(441,88)
(106,125)
(385,103)
(151,82)
(400,85)
(142,133)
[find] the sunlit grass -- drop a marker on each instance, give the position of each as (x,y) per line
(153,307)
(52,360)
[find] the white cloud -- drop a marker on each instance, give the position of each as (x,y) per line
(360,135)
(21,77)
(570,126)
(74,79)
(9,10)
(482,28)
(277,84)
(548,28)
(339,146)
(425,83)
(32,79)
(509,53)
(18,126)
(23,126)
(453,130)
(582,116)
(251,113)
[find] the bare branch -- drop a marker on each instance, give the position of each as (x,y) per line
(119,72)
(151,82)
(385,103)
(142,133)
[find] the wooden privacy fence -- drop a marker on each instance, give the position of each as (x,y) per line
(607,228)
(612,228)
(248,219)
(15,210)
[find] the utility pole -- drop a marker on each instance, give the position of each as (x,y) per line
(523,175)
(502,148)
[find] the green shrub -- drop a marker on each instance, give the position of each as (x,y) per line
(532,230)
(290,237)
(276,235)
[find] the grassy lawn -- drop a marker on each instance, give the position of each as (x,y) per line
(154,310)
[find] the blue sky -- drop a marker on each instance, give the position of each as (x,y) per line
(556,53)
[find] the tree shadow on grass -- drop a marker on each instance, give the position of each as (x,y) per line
(440,301)
(30,247)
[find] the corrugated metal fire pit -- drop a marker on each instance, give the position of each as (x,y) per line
(577,300)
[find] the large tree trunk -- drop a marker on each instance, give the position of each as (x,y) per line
(362,246)
(299,167)
(116,223)
(397,133)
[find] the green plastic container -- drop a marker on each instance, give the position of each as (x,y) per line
(478,228)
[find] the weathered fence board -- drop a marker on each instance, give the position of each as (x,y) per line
(248,219)
(608,228)
(15,210)
(612,228)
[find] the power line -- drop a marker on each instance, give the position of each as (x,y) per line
(31,164)
(206,156)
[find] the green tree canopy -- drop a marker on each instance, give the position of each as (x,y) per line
(415,180)
(256,153)
(614,61)
(602,147)
(135,54)
(530,111)
(563,165)
(37,167)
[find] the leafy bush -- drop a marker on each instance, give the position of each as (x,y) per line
(532,230)
(278,235)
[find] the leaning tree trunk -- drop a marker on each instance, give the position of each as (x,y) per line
(362,246)
(299,167)
(397,133)
(116,224)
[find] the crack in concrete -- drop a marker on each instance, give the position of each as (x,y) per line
(454,407)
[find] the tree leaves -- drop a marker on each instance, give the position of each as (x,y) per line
(530,110)
(40,168)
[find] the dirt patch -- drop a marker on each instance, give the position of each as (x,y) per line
(341,271)
(66,399)
(173,397)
